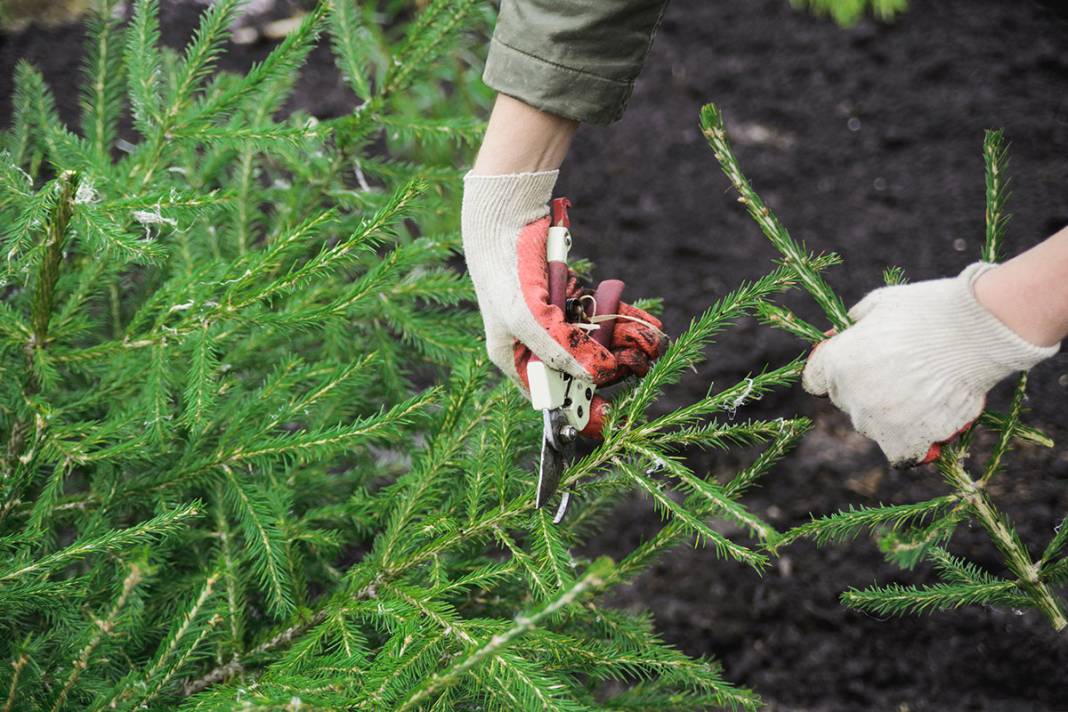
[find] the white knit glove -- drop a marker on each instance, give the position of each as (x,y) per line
(915,367)
(495,209)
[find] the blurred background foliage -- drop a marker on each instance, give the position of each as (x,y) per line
(18,15)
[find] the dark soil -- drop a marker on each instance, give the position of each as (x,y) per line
(867,142)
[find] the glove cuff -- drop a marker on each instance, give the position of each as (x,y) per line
(510,201)
(1002,345)
(495,210)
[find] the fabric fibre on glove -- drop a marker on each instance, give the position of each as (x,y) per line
(915,367)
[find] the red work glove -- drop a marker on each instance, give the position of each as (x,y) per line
(637,339)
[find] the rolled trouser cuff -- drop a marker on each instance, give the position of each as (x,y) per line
(555,88)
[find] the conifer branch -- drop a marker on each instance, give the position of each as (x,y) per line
(1060,538)
(105,628)
(435,131)
(717,434)
(65,150)
(894,275)
(847,524)
(436,24)
(257,138)
(199,58)
(996,160)
(728,400)
(229,570)
(540,587)
(790,433)
(1008,431)
(16,672)
(460,421)
(34,212)
(715,498)
(44,507)
(383,680)
(236,664)
(308,446)
(48,271)
(201,52)
(908,547)
(1006,540)
(264,539)
(898,600)
(954,569)
(175,667)
(1021,431)
(784,319)
(102,79)
(350,43)
(795,256)
(142,61)
(1056,573)
(551,551)
(724,547)
(19,139)
(115,540)
(147,685)
(687,349)
(592,579)
(201,387)
(282,62)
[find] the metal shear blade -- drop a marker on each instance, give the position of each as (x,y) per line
(557,449)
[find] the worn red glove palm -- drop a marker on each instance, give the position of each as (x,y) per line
(637,339)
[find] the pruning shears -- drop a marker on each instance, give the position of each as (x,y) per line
(564,400)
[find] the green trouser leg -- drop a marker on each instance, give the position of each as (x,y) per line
(572,58)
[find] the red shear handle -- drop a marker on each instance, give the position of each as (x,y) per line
(559,210)
(607,295)
(558,285)
(558,269)
(557,292)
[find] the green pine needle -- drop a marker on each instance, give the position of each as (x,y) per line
(849,523)
(896,600)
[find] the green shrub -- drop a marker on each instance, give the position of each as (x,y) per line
(224,484)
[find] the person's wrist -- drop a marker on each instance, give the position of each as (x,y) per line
(999,293)
(522,139)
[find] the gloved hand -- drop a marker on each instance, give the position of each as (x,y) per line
(505,227)
(914,369)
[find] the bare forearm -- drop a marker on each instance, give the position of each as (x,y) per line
(1029,293)
(522,139)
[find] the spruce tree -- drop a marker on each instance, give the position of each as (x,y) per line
(920,532)
(252,454)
